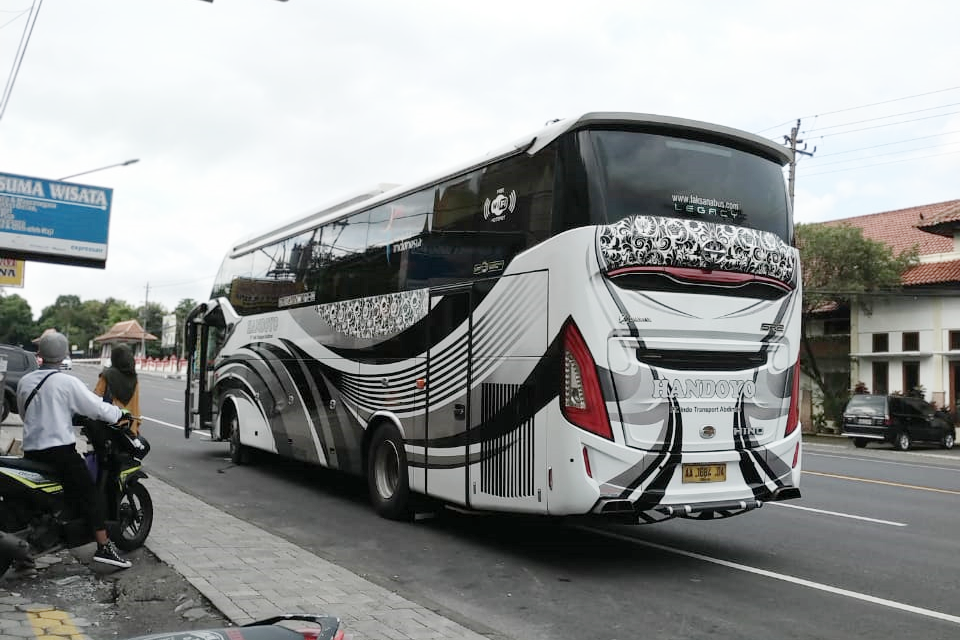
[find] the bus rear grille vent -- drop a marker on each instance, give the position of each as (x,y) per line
(506,466)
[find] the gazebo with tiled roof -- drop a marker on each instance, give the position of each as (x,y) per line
(128,332)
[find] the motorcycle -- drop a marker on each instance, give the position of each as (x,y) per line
(35,517)
(284,627)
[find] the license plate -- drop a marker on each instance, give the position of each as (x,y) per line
(705,472)
(864,420)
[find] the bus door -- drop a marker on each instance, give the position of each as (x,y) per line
(449,356)
(203,330)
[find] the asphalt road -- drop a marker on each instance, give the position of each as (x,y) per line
(870,551)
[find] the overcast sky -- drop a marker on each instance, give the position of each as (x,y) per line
(247,112)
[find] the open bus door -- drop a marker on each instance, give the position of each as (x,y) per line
(203,330)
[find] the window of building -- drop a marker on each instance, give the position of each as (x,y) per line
(838,326)
(880,377)
(911,341)
(954,340)
(911,376)
(881,342)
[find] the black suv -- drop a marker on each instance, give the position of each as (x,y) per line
(899,420)
(19,362)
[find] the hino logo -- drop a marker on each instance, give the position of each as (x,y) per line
(748,431)
(704,388)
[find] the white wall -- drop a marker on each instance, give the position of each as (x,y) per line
(932,317)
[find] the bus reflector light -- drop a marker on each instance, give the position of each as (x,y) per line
(796,456)
(586,462)
(421,383)
(581,400)
(793,415)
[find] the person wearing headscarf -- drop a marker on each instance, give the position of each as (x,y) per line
(118,383)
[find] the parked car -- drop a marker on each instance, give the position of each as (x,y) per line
(19,362)
(66,363)
(899,420)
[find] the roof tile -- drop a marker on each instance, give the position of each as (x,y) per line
(933,273)
(898,229)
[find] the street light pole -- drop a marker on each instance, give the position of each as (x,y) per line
(109,166)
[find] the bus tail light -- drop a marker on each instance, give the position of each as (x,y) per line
(581,399)
(793,415)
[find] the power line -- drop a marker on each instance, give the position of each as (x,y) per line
(892,115)
(880,164)
(889,124)
(887,144)
(874,104)
(21,51)
(862,106)
(889,153)
(14,19)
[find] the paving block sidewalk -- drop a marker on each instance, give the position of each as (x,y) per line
(249,573)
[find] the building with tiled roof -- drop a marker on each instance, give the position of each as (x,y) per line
(128,332)
(911,340)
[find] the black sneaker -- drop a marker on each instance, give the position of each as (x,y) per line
(107,554)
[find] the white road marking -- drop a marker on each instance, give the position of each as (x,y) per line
(838,514)
(180,400)
(175,426)
(893,462)
(856,595)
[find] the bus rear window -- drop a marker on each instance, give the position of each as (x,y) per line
(638,173)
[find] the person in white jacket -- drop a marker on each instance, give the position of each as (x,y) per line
(47,401)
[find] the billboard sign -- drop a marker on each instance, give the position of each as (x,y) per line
(53,221)
(11,272)
(168,338)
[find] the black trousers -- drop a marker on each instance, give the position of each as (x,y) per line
(78,486)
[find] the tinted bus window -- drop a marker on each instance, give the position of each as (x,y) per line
(397,231)
(342,245)
(485,218)
(636,173)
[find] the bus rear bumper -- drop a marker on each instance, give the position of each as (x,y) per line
(621,507)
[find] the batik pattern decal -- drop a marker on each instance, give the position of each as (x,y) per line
(672,242)
(376,316)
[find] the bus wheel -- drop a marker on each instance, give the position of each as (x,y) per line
(387,477)
(239,454)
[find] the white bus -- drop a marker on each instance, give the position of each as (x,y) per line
(601,319)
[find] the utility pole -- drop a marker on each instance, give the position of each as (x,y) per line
(793,141)
(143,334)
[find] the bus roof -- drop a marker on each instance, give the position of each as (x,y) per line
(531,144)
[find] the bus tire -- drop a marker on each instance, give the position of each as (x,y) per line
(387,478)
(239,453)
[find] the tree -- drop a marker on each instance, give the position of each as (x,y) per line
(184,307)
(65,315)
(843,267)
(16,322)
(152,322)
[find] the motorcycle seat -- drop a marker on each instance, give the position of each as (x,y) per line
(16,462)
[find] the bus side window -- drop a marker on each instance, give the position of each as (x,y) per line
(397,230)
(343,245)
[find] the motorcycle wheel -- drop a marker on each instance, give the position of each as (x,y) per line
(135,516)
